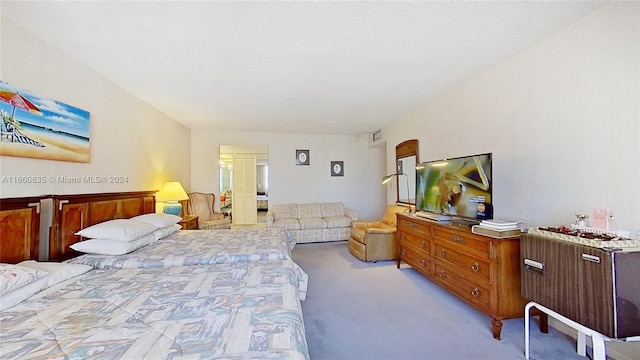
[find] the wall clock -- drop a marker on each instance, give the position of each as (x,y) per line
(337,168)
(302,157)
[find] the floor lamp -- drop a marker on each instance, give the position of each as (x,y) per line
(388,178)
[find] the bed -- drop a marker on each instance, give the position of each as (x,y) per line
(262,201)
(183,248)
(227,310)
(237,311)
(205,247)
(198,247)
(74,213)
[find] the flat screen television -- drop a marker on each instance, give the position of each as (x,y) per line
(460,187)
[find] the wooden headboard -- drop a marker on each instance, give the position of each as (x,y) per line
(71,213)
(19,229)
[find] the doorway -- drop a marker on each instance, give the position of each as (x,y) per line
(244,184)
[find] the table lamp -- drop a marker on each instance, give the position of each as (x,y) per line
(172,192)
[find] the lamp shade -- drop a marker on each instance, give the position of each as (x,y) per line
(172,191)
(387,178)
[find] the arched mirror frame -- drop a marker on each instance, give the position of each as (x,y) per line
(406,160)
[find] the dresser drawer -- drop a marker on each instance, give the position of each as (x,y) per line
(471,291)
(463,241)
(419,229)
(480,270)
(417,258)
(421,243)
(469,267)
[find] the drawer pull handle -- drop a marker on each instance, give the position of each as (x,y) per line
(475,292)
(442,274)
(475,267)
(422,244)
(457,239)
(403,236)
(412,224)
(443,253)
(403,252)
(423,263)
(591,258)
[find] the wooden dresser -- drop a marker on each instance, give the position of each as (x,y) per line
(483,271)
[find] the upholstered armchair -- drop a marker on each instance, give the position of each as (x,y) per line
(201,204)
(376,240)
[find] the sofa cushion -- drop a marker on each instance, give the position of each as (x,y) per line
(312,223)
(287,224)
(332,209)
(313,210)
(337,221)
(285,211)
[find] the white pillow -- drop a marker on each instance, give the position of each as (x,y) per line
(118,229)
(165,231)
(20,294)
(58,272)
(112,247)
(158,220)
(14,276)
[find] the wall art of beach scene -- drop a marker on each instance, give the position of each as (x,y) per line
(37,127)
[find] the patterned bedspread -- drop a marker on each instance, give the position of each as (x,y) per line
(205,247)
(223,311)
(200,247)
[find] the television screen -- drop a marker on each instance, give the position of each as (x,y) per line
(459,187)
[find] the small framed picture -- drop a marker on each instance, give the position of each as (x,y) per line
(337,168)
(302,157)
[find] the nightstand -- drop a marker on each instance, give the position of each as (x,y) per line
(189,222)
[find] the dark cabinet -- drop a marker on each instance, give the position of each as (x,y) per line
(598,288)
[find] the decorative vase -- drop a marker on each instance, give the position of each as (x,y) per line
(172,207)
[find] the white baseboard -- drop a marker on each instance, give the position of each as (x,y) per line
(617,350)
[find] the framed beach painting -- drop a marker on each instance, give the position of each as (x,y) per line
(37,127)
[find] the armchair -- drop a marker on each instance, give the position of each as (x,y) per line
(376,240)
(201,205)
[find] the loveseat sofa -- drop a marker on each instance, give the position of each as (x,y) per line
(313,222)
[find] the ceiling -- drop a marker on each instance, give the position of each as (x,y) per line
(297,67)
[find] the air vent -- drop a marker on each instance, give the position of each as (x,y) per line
(377,135)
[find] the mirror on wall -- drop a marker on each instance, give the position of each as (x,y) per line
(406,161)
(244,183)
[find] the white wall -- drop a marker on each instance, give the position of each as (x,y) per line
(128,137)
(359,188)
(562,119)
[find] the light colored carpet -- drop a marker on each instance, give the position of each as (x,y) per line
(359,310)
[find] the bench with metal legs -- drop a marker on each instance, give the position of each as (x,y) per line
(597,339)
